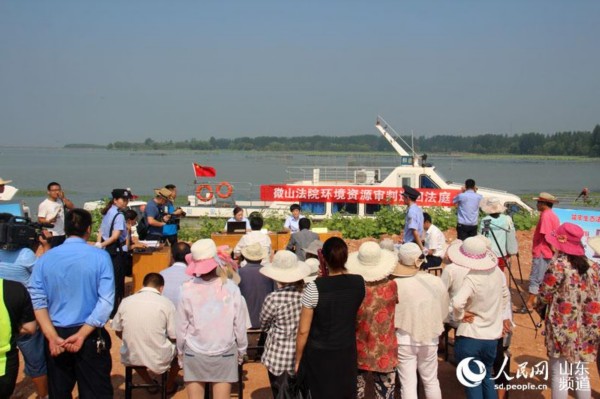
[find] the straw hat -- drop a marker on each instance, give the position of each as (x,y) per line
(3,182)
(313,247)
(254,252)
(594,243)
(492,205)
(203,257)
(472,253)
(371,262)
(286,268)
(408,260)
(546,197)
(163,192)
(567,239)
(313,264)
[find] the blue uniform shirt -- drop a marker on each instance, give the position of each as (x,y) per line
(17,265)
(468,207)
(292,223)
(75,282)
(119,224)
(414,221)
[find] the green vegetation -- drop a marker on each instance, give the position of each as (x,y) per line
(582,144)
(83,145)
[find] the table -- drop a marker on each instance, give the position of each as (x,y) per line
(144,263)
(278,240)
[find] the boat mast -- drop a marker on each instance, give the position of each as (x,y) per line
(385,130)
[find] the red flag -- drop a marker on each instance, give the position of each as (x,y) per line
(204,171)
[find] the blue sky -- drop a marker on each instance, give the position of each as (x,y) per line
(101,71)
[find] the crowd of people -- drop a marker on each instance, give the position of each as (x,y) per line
(327,317)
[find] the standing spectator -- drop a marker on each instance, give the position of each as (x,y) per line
(114,240)
(291,223)
(170,230)
(5,196)
(413,224)
(326,356)
(419,321)
(16,317)
(301,239)
(155,214)
(72,289)
(542,251)
(17,265)
(375,335)
(211,325)
(256,235)
(52,210)
(175,275)
(280,316)
(238,216)
(467,203)
(145,322)
(501,231)
(571,289)
(253,285)
(435,243)
(479,307)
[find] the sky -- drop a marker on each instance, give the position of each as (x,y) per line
(103,71)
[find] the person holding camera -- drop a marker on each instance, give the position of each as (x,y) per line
(17,265)
(170,229)
(52,211)
(155,214)
(72,290)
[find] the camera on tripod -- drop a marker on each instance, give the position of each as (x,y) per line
(20,232)
(486,227)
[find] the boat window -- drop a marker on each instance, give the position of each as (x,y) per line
(426,182)
(349,208)
(512,208)
(371,209)
(315,208)
(406,181)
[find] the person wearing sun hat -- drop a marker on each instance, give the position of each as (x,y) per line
(280,316)
(571,289)
(501,230)
(542,251)
(375,334)
(211,323)
(419,320)
(479,306)
(254,285)
(155,213)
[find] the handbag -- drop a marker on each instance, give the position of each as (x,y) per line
(293,388)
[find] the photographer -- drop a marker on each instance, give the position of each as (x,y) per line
(170,230)
(155,214)
(17,265)
(52,211)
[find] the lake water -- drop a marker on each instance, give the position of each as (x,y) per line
(87,175)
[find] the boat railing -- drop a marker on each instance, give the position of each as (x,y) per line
(347,174)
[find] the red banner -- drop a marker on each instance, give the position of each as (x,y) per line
(204,171)
(361,194)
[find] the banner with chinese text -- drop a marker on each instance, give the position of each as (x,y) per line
(588,220)
(360,194)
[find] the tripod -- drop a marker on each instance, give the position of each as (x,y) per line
(486,232)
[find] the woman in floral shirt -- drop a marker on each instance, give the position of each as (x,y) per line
(375,334)
(571,289)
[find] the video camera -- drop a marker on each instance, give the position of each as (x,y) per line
(20,232)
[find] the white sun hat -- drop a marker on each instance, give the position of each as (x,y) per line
(286,268)
(371,262)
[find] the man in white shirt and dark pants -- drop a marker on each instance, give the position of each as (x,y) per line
(435,242)
(52,211)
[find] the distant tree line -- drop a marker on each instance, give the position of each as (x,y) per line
(561,143)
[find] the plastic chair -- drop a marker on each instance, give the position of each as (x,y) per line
(130,386)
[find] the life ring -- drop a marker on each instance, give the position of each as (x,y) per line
(227,193)
(209,192)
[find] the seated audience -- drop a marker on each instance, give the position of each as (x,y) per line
(301,239)
(253,285)
(175,274)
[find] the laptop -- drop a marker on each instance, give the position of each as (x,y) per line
(236,227)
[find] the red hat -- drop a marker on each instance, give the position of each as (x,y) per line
(567,239)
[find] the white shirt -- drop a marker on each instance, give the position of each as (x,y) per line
(252,237)
(453,276)
(48,209)
(147,320)
(485,294)
(435,240)
(174,277)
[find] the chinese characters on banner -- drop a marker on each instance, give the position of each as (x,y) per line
(360,194)
(587,219)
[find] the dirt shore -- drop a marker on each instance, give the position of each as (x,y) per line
(527,349)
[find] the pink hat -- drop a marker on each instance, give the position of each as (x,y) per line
(567,239)
(203,258)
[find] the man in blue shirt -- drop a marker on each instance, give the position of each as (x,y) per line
(413,224)
(468,210)
(155,214)
(72,290)
(291,223)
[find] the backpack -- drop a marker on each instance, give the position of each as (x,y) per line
(143,227)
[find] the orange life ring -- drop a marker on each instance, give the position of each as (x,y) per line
(227,193)
(209,192)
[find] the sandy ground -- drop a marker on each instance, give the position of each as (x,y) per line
(527,348)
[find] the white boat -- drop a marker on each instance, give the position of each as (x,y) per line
(360,191)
